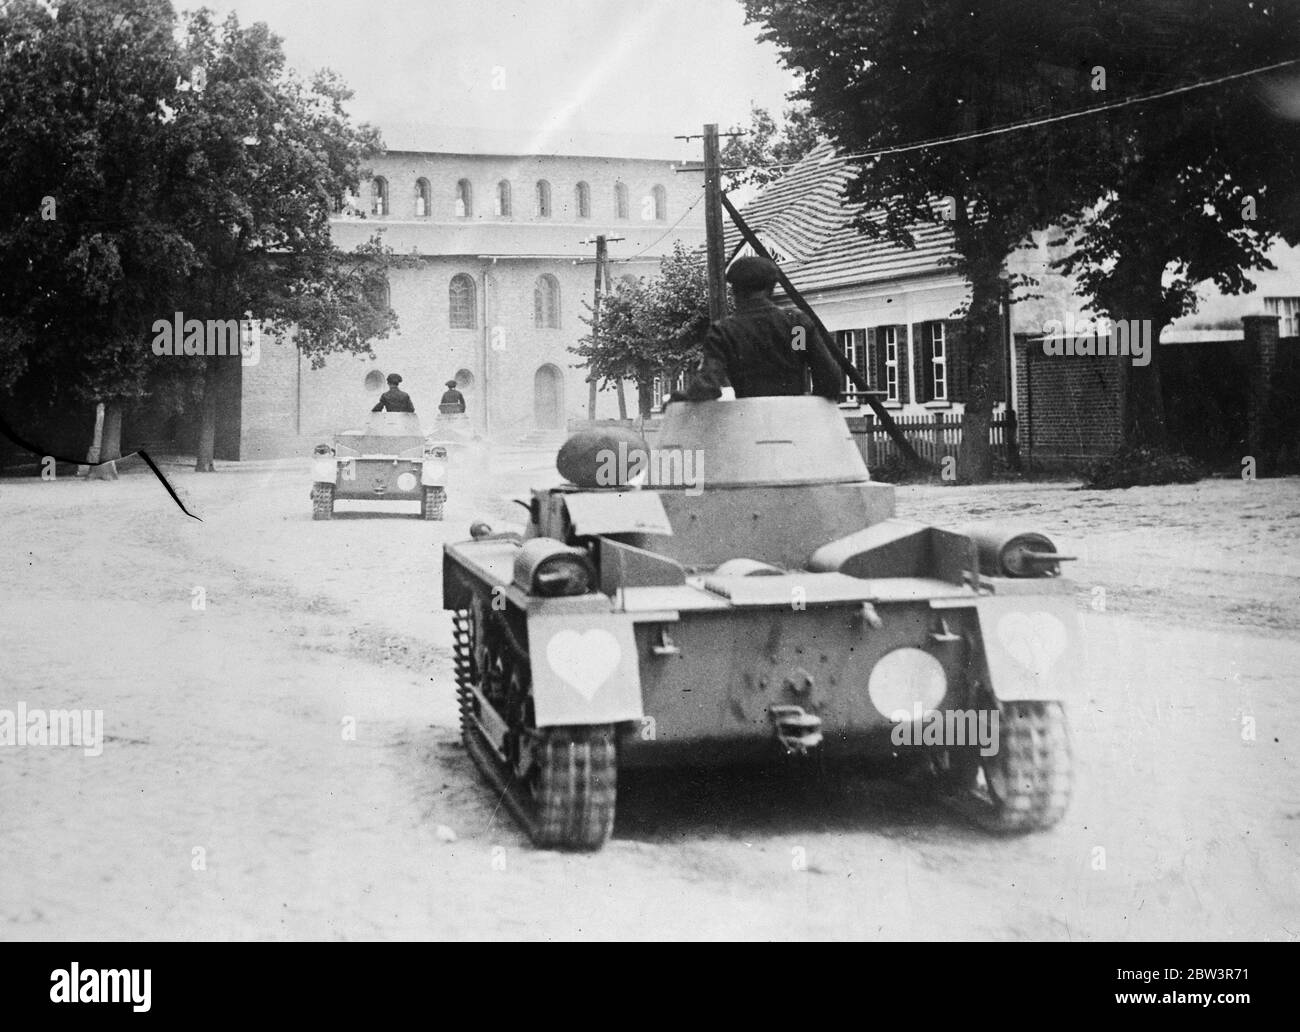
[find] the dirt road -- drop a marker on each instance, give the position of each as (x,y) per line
(283,762)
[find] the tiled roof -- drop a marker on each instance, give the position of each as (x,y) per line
(804,217)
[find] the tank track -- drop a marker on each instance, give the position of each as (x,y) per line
(572,803)
(432,500)
(1032,773)
(322,501)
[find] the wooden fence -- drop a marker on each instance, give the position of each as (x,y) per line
(933,436)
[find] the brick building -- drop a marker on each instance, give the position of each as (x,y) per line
(496,295)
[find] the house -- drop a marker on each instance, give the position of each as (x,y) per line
(502,230)
(894,313)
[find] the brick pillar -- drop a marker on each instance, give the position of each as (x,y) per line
(1260,332)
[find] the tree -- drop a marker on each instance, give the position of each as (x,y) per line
(765,144)
(85,250)
(142,176)
(650,329)
(1203,182)
(264,157)
(896,71)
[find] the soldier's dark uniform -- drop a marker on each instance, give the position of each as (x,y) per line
(452,401)
(394,399)
(762,350)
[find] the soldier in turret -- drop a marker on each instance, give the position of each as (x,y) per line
(762,350)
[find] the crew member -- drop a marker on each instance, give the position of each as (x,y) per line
(394,399)
(761,349)
(452,400)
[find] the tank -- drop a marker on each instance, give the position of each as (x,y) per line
(388,460)
(743,593)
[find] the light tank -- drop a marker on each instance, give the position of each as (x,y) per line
(389,460)
(741,592)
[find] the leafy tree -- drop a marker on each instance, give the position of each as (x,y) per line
(86,249)
(190,174)
(1154,194)
(888,72)
(766,144)
(260,157)
(1203,183)
(650,329)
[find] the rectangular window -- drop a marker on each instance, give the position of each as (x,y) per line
(853,343)
(1289,309)
(939,362)
(889,339)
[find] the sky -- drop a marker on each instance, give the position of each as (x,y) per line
(649,67)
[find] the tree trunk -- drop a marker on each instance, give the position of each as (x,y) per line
(111,445)
(208,419)
(1144,400)
(1140,299)
(645,397)
(591,398)
(622,401)
(982,332)
(96,442)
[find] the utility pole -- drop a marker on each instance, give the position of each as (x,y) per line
(717,258)
(601,286)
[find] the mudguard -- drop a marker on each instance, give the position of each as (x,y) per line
(433,472)
(324,471)
(1031,646)
(584,666)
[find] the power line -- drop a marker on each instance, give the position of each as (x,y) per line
(1030,123)
(620,261)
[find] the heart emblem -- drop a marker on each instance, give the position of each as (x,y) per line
(1034,640)
(584,661)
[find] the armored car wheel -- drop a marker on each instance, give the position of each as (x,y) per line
(322,501)
(1025,785)
(432,502)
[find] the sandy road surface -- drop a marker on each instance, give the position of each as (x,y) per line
(226,736)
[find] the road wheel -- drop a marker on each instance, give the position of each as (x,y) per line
(559,782)
(1025,785)
(574,786)
(322,501)
(432,502)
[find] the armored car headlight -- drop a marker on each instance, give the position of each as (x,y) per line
(906,684)
(551,568)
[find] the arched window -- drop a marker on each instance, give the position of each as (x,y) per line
(543,199)
(582,194)
(461,303)
(379,196)
(422,196)
(620,200)
(660,196)
(503,198)
(464,199)
(546,302)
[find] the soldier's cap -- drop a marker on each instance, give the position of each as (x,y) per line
(394,379)
(751,273)
(451,383)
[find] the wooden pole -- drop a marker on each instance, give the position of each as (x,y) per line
(595,326)
(717,258)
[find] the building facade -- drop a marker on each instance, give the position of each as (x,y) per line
(500,277)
